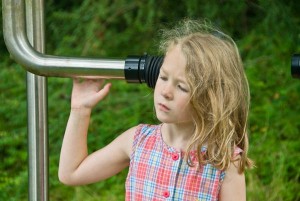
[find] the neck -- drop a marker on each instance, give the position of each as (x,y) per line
(178,135)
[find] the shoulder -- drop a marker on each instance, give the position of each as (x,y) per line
(147,128)
(143,133)
(234,185)
(134,134)
(143,130)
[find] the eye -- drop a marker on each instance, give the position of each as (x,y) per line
(182,88)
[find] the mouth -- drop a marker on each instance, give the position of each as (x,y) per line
(163,107)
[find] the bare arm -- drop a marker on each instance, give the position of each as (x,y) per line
(234,186)
(76,166)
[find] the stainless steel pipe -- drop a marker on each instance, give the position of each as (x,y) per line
(38,154)
(21,50)
(38,168)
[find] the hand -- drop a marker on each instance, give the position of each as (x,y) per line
(87,93)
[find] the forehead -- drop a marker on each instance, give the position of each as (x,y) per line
(174,60)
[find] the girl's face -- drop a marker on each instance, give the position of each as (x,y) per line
(172,93)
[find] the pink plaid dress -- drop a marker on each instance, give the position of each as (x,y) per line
(159,172)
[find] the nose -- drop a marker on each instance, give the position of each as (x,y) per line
(167,91)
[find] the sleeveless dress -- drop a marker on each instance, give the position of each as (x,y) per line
(159,172)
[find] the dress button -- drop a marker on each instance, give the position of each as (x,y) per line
(175,156)
(166,194)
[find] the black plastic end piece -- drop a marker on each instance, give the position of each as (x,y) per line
(152,67)
(295,66)
(143,69)
(132,68)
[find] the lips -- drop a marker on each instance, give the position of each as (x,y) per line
(163,107)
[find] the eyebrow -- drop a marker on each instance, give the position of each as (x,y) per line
(178,79)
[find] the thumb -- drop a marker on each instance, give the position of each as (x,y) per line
(103,92)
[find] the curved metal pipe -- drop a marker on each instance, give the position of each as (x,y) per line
(14,31)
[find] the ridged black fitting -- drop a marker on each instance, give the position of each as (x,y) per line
(153,64)
(295,66)
(143,69)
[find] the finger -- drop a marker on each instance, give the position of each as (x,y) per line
(99,82)
(104,91)
(76,80)
(79,80)
(102,82)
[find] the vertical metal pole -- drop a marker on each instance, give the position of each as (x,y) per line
(37,108)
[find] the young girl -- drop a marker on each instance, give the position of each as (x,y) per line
(199,151)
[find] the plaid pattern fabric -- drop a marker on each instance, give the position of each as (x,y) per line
(159,172)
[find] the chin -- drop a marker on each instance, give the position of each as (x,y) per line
(164,119)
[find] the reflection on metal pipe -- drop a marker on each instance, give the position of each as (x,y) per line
(47,65)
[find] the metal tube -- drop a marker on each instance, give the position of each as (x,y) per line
(47,65)
(37,138)
(38,188)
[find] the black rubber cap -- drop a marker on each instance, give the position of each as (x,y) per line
(132,69)
(152,68)
(143,69)
(295,66)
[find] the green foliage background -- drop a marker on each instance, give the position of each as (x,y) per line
(267,33)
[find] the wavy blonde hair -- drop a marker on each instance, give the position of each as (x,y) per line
(220,95)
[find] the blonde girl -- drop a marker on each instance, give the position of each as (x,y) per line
(199,151)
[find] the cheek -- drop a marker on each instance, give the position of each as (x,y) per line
(184,105)
(156,93)
(186,113)
(157,88)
